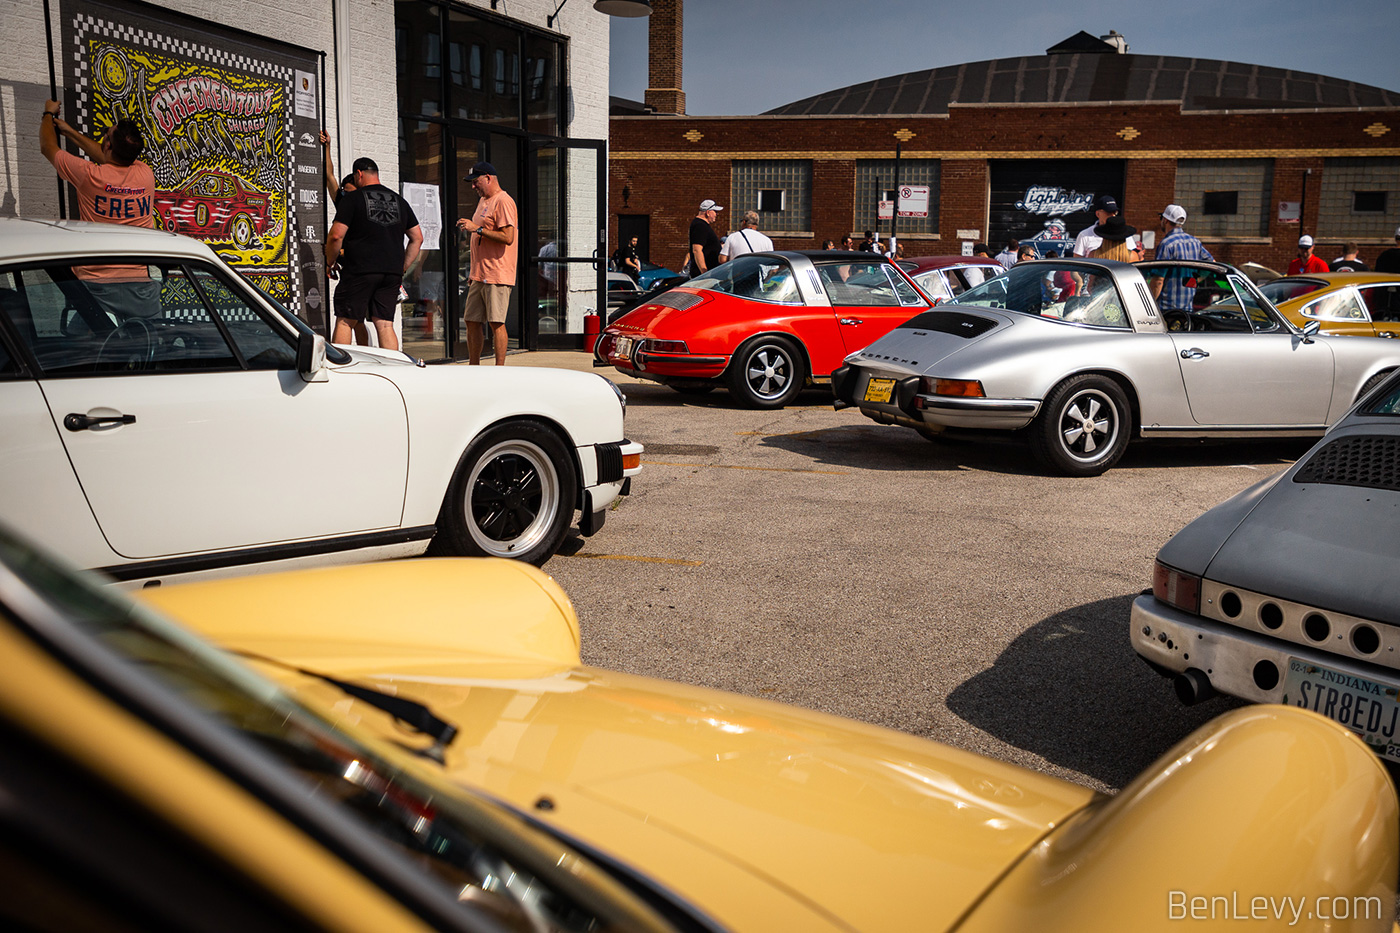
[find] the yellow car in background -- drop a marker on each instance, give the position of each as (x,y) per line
(417,745)
(1363,304)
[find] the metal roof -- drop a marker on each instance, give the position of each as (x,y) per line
(1075,77)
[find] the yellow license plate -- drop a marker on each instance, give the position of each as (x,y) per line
(879,390)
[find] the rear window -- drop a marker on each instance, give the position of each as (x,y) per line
(757,278)
(1068,292)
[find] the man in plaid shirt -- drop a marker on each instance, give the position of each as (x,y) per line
(1170,288)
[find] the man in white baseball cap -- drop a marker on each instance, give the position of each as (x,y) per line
(1305,263)
(704,242)
(1170,289)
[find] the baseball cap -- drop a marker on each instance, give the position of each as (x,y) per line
(708,205)
(1106,202)
(1174,213)
(1305,240)
(479,169)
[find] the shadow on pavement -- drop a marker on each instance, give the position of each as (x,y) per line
(652,393)
(1071,690)
(868,445)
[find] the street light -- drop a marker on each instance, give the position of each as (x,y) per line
(610,7)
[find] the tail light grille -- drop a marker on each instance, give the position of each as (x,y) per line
(681,301)
(1362,460)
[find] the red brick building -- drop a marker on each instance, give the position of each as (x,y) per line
(1018,147)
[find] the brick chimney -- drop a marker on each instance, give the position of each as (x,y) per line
(664,57)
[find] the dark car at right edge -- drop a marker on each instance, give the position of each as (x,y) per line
(1288,592)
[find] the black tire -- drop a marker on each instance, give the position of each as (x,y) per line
(1370,384)
(766,372)
(512,496)
(1083,427)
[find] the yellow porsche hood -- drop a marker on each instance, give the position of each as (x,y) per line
(765,815)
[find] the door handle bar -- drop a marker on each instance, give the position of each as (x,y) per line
(77,422)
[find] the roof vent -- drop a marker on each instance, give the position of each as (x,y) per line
(1117,40)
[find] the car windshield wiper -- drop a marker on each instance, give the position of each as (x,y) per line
(411,713)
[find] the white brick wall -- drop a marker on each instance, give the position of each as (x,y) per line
(27,183)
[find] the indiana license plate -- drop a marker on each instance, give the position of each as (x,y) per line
(1367,707)
(879,390)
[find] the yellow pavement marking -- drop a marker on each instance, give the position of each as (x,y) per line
(643,560)
(726,466)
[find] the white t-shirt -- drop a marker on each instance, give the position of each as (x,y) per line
(744,241)
(1088,241)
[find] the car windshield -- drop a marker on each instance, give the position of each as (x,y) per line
(755,277)
(1281,290)
(1077,293)
(487,856)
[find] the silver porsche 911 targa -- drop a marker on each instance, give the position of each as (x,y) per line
(1079,357)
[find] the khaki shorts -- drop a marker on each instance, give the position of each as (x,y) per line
(487,302)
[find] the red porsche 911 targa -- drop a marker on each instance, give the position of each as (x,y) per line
(764,325)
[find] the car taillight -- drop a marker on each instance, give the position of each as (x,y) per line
(666,346)
(963,388)
(1181,590)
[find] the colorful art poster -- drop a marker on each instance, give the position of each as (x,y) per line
(229,135)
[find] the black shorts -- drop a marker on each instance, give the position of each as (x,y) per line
(373,296)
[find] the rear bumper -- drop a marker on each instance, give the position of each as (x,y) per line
(912,408)
(1174,641)
(658,367)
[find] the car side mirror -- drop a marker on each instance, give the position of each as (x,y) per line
(311,357)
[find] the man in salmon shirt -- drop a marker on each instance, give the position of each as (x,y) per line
(113,187)
(493,251)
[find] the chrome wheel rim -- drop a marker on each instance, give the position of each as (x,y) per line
(768,371)
(1088,426)
(513,498)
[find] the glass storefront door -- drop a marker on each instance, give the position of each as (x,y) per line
(563,266)
(423,304)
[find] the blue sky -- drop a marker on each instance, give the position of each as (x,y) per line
(746,56)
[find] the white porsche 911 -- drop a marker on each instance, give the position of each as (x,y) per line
(160,417)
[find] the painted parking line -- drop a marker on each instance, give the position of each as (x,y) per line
(727,466)
(641,560)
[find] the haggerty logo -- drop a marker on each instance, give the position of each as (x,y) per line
(1044,199)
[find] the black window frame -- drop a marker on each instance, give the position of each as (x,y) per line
(187,266)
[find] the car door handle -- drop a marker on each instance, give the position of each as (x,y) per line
(851,320)
(77,422)
(1195,353)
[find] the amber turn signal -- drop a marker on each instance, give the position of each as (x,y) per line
(965,388)
(1171,586)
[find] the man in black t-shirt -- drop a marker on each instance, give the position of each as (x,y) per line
(625,259)
(1348,262)
(1389,260)
(371,224)
(704,243)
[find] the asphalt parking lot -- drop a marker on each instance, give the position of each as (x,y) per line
(952,591)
